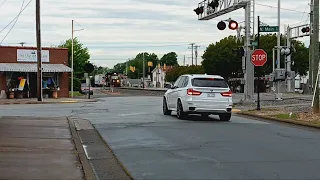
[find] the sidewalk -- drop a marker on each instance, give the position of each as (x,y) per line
(38,148)
(45,101)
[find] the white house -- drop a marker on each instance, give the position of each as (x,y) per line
(158,76)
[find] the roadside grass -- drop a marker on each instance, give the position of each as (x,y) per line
(76,93)
(286,116)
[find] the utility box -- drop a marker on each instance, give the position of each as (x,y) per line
(280,74)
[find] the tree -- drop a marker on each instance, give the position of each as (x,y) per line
(169,59)
(173,74)
(120,67)
(80,57)
(137,62)
(219,58)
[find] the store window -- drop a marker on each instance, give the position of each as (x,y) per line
(50,81)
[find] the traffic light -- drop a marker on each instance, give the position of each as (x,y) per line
(305,29)
(214,4)
(233,25)
(199,10)
(239,51)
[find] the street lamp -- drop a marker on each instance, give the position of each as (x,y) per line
(72,56)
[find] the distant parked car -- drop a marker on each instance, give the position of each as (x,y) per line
(199,94)
(85,89)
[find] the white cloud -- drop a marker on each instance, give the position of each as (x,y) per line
(133,25)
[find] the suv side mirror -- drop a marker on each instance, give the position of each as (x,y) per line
(173,87)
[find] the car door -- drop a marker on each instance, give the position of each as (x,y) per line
(170,96)
(177,91)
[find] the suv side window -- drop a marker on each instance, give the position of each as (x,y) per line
(176,84)
(184,82)
(180,84)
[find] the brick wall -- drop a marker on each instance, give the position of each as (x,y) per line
(2,81)
(64,85)
(8,54)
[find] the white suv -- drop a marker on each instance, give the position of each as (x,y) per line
(199,94)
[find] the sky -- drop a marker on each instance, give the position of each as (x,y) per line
(116,30)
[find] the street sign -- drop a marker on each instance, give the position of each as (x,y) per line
(254,43)
(259,57)
(269,28)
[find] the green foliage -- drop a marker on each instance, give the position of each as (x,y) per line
(119,68)
(137,62)
(76,84)
(219,58)
(99,70)
(173,74)
(169,59)
(80,57)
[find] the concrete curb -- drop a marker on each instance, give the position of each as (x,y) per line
(86,167)
(111,150)
(289,121)
(141,89)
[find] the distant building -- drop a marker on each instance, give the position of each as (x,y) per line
(18,71)
(158,76)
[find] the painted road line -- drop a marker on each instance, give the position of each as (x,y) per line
(68,101)
(134,114)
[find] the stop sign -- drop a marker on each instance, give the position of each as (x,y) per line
(259,57)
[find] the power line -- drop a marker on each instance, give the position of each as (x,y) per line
(13,23)
(16,16)
(282,8)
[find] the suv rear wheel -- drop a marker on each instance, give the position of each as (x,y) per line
(180,113)
(165,109)
(225,117)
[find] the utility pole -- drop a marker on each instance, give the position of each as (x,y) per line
(143,69)
(184,60)
(315,49)
(39,63)
(311,85)
(127,68)
(258,83)
(278,97)
(192,46)
(72,59)
(196,54)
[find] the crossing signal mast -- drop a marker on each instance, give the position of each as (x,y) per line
(209,9)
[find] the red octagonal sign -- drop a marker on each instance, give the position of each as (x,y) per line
(259,57)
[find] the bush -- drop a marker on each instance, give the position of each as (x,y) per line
(173,74)
(76,84)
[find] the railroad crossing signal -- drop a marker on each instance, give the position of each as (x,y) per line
(259,57)
(305,29)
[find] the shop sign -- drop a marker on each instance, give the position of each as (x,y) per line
(26,55)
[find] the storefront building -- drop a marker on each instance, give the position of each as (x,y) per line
(18,72)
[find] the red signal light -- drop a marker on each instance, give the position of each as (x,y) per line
(233,25)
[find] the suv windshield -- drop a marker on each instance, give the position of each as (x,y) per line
(209,82)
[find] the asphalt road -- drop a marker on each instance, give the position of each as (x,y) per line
(154,146)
